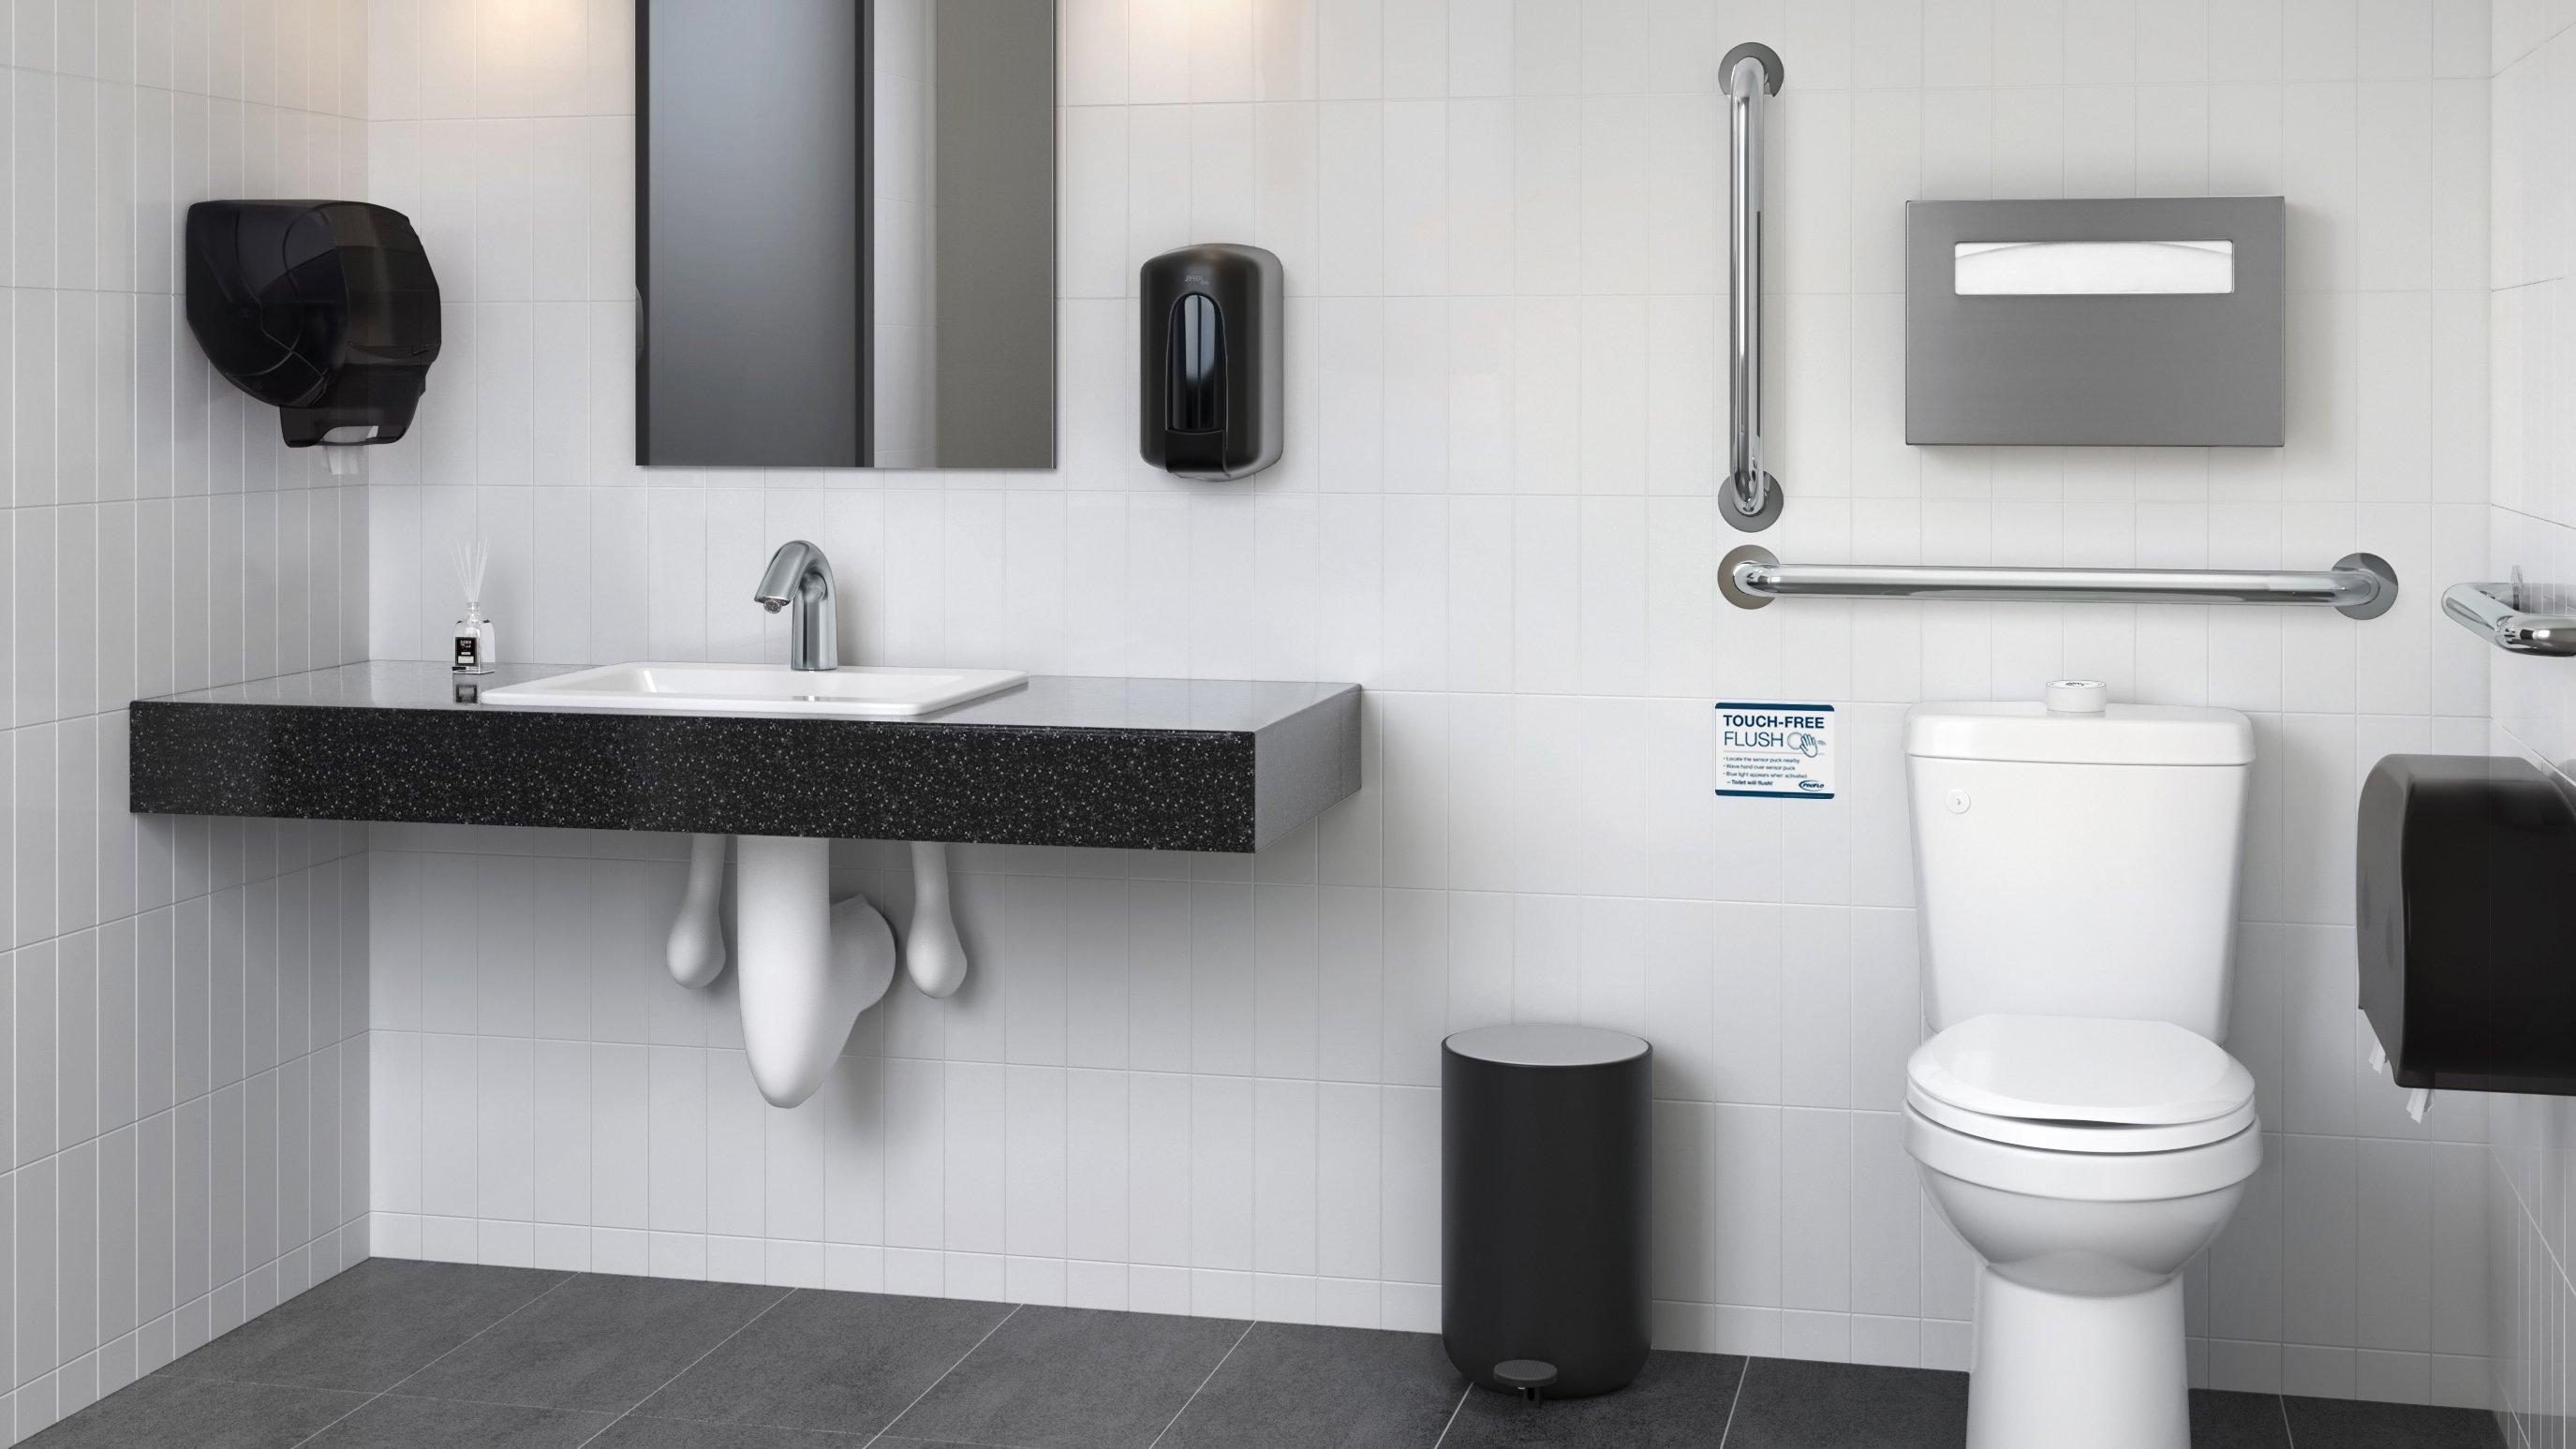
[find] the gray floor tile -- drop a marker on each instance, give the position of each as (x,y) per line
(396,1422)
(600,1343)
(822,1370)
(177,1413)
(1679,1401)
(2221,1420)
(843,1361)
(1074,1378)
(638,1432)
(2345,1424)
(1295,1386)
(1795,1404)
(370,1327)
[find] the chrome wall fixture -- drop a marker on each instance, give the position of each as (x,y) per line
(1751,74)
(2359,586)
(2513,616)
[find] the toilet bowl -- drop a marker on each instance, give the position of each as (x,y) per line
(2084,1160)
(2076,865)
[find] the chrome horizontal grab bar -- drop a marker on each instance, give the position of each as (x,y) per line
(2496,612)
(2360,585)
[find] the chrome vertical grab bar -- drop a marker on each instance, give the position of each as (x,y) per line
(2497,613)
(1751,74)
(2359,586)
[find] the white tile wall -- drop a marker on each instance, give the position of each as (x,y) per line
(2532,522)
(183,1109)
(1209,1084)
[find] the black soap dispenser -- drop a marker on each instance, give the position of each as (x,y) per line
(1214,369)
(325,310)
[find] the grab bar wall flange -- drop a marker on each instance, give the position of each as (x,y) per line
(1751,73)
(2495,613)
(2359,586)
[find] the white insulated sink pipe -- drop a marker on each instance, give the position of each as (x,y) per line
(697,950)
(807,965)
(932,953)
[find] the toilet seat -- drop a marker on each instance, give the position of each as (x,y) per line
(2083,1176)
(2080,1084)
(2091,1137)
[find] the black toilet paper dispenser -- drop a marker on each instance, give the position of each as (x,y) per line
(2467,923)
(1213,380)
(325,310)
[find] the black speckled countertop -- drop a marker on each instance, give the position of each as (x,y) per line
(1163,764)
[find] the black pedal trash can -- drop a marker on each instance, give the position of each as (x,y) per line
(1546,1172)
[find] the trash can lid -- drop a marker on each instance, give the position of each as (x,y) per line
(1546,1044)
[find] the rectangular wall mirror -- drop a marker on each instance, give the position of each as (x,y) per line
(845,233)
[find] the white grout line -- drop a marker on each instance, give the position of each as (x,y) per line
(1455,1410)
(1749,1361)
(943,1377)
(1203,1383)
(859,1438)
(487,1403)
(693,1363)
(325,1429)
(2288,1435)
(415,1373)
(478,1333)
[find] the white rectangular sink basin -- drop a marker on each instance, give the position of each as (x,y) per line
(852,692)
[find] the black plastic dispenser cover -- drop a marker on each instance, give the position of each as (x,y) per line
(326,310)
(1213,364)
(2468,924)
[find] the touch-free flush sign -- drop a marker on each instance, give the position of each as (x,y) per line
(1775,750)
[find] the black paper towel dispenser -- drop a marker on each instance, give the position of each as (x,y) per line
(325,310)
(2468,923)
(1213,382)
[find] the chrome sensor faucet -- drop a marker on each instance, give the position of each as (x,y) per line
(799,576)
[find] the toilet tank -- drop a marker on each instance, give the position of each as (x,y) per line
(2077,864)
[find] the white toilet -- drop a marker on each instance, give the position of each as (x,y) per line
(2074,1115)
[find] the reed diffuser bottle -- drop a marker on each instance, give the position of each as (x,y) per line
(476,649)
